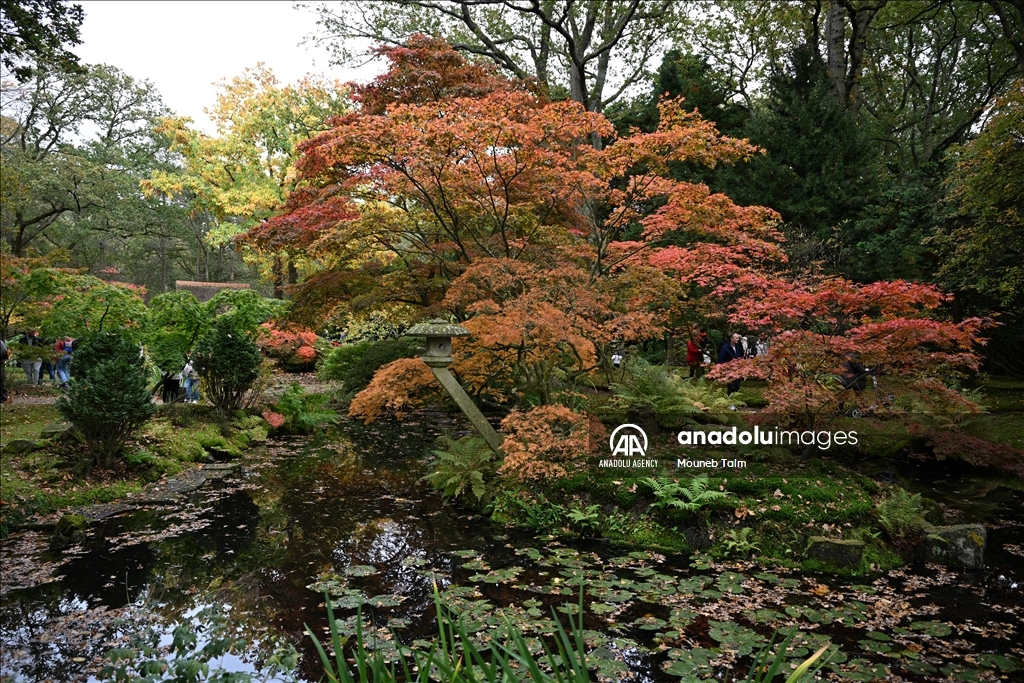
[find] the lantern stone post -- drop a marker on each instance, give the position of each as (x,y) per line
(438,357)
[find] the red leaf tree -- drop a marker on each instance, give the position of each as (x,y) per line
(831,341)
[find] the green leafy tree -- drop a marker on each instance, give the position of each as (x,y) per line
(107,397)
(228,361)
(247,309)
(38,30)
(239,177)
(176,321)
(983,251)
(71,144)
(820,168)
(702,87)
(95,306)
(589,51)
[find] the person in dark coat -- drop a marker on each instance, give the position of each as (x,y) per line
(730,351)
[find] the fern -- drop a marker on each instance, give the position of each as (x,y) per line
(738,542)
(304,413)
(687,497)
(674,399)
(462,468)
(900,514)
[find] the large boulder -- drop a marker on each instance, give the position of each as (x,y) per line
(19,446)
(835,551)
(961,545)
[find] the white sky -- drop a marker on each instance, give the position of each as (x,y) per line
(185,47)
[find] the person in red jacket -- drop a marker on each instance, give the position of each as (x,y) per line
(695,350)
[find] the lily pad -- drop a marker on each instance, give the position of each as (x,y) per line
(602,608)
(612,595)
(360,570)
(650,623)
(385,600)
(735,637)
(1002,662)
(932,628)
(498,575)
(413,561)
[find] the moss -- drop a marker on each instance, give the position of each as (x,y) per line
(1007,428)
(70,524)
(881,557)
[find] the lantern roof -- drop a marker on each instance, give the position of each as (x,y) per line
(437,328)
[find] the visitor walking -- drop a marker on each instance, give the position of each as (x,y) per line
(32,360)
(617,359)
(49,364)
(171,386)
(63,348)
(191,378)
(730,351)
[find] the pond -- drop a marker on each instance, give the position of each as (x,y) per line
(351,515)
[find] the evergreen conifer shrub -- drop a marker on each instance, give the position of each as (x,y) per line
(229,361)
(107,397)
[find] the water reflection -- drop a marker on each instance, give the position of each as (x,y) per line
(299,511)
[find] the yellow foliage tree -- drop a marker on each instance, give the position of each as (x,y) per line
(243,174)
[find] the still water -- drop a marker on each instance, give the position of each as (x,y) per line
(351,514)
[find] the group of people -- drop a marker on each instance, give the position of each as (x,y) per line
(737,346)
(46,357)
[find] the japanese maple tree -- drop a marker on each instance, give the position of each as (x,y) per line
(822,329)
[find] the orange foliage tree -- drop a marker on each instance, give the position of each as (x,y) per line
(545,442)
(456,189)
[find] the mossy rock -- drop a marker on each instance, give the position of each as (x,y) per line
(961,545)
(837,552)
(19,446)
(59,431)
(70,529)
(219,447)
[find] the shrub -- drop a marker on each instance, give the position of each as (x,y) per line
(294,350)
(548,441)
(303,413)
(397,387)
(462,469)
(107,398)
(229,363)
(337,362)
(356,369)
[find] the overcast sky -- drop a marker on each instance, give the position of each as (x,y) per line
(185,47)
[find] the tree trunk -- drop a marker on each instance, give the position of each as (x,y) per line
(835,44)
(278,278)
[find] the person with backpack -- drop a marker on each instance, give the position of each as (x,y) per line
(191,377)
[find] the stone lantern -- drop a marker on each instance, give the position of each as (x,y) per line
(438,357)
(439,340)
